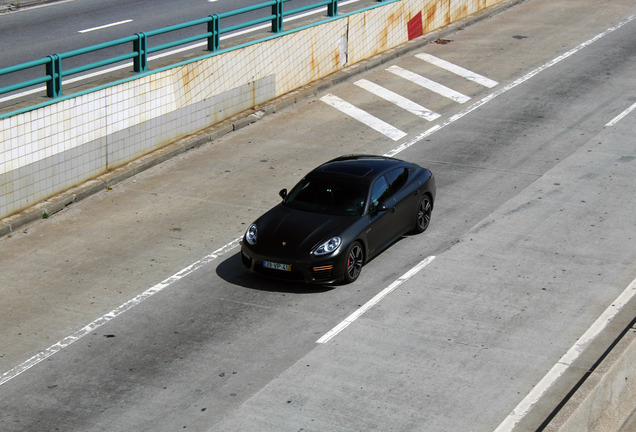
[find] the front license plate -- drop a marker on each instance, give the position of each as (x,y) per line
(276,266)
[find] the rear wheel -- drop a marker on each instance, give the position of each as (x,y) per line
(354,260)
(423,215)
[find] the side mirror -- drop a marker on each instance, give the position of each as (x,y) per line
(283,193)
(380,208)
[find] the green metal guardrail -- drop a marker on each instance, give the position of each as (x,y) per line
(54,73)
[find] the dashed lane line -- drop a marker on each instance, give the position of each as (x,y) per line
(457,70)
(89,328)
(621,116)
(507,88)
(105,26)
(375,300)
(397,99)
(364,117)
(429,84)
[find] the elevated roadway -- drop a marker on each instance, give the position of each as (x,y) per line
(35,29)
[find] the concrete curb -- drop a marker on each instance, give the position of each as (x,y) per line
(10,6)
(58,202)
(606,400)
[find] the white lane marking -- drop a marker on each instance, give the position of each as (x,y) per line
(363,117)
(621,116)
(457,70)
(566,361)
(398,100)
(105,26)
(506,88)
(429,84)
(89,328)
(375,300)
(169,53)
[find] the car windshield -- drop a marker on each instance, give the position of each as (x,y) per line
(329,196)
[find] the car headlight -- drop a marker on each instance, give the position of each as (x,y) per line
(251,234)
(328,247)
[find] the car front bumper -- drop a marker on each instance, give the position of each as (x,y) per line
(317,270)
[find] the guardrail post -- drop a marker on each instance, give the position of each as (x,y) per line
(277,11)
(54,71)
(214,26)
(140,62)
(332,8)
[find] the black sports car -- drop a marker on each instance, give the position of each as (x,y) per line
(337,217)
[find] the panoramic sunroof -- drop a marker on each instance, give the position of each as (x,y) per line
(357,169)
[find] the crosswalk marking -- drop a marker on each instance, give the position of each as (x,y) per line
(457,70)
(363,117)
(429,84)
(398,100)
(403,102)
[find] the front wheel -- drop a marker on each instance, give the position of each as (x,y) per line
(354,260)
(423,215)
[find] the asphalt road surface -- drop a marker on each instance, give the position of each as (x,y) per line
(130,310)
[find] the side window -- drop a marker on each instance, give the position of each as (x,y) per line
(397,178)
(379,193)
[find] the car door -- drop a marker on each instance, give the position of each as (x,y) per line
(381,215)
(405,199)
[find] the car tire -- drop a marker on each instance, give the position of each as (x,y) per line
(354,260)
(423,214)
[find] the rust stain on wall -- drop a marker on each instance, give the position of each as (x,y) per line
(383,39)
(188,76)
(431,13)
(252,86)
(315,65)
(460,13)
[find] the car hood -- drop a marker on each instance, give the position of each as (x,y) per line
(283,231)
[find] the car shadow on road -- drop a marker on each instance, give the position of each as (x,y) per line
(231,270)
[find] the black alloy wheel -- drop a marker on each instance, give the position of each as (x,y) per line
(354,262)
(423,217)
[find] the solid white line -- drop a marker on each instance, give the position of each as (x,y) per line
(398,100)
(566,361)
(506,88)
(105,26)
(89,328)
(457,70)
(363,117)
(429,84)
(375,300)
(621,116)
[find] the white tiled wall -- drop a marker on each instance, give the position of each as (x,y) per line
(47,150)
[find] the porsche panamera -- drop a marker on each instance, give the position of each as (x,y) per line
(338,217)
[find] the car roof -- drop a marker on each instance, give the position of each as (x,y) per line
(360,167)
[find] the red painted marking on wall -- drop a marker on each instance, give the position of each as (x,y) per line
(414,26)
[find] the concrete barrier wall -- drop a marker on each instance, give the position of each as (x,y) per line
(50,149)
(608,399)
